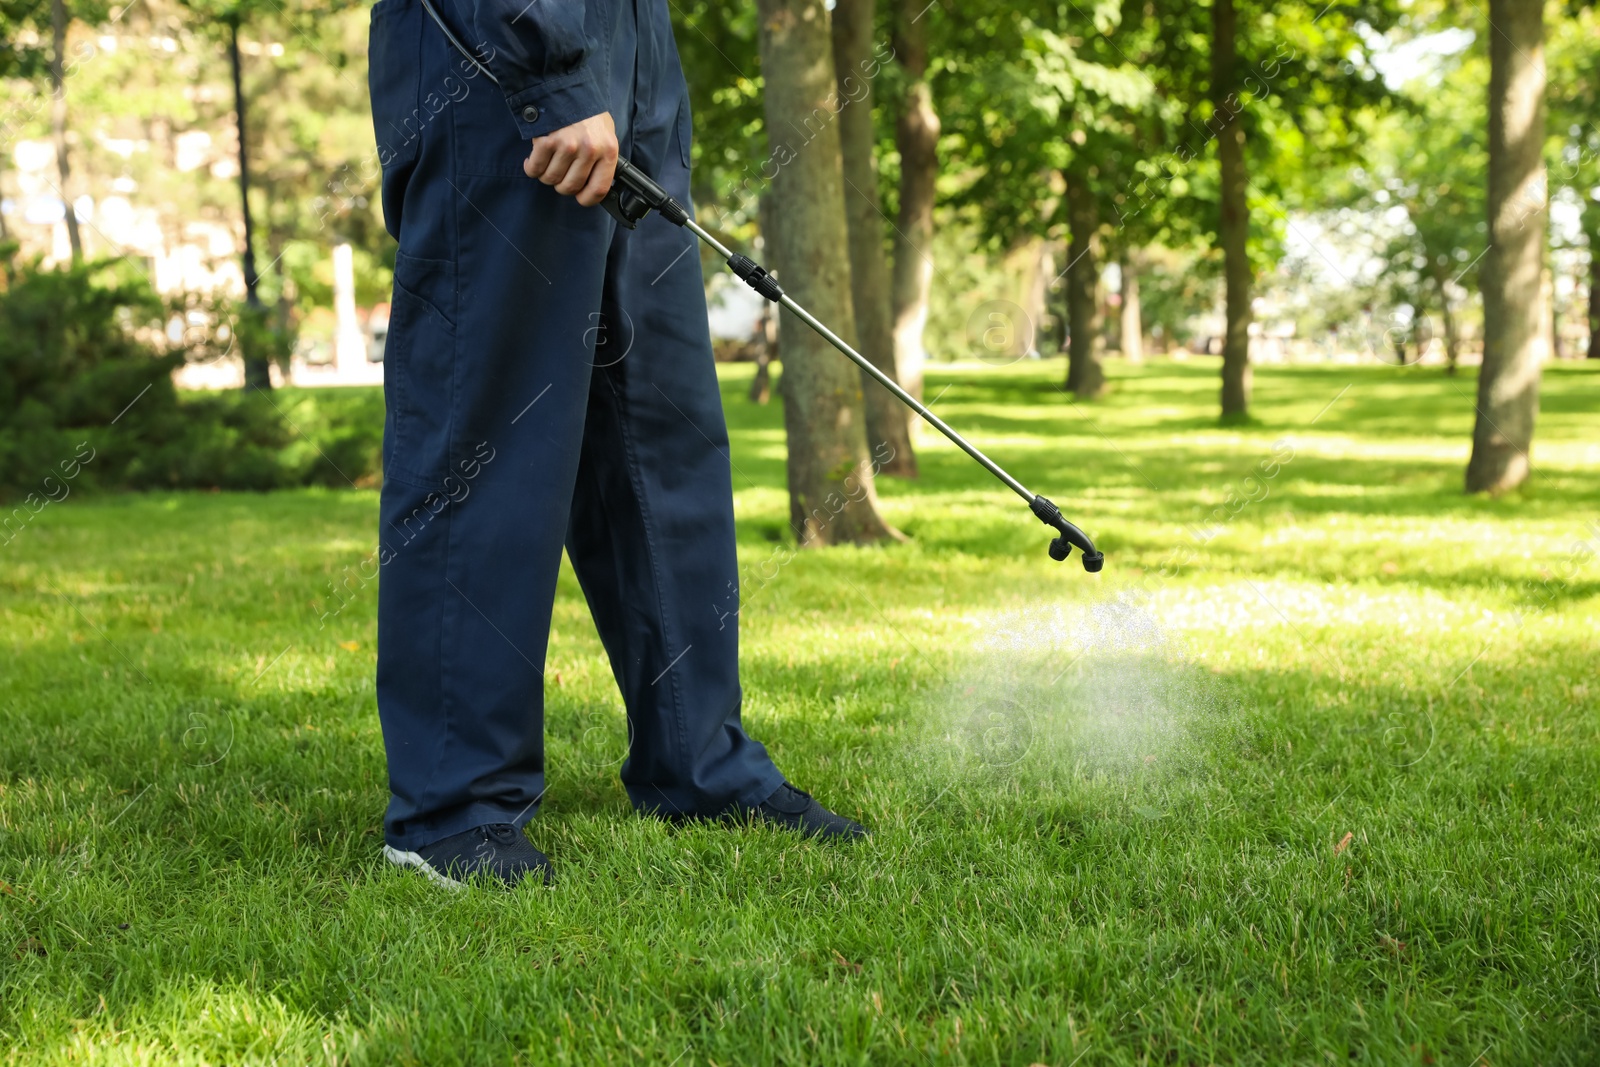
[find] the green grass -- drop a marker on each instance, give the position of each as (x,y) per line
(1309,778)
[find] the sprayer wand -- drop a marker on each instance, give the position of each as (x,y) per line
(634,194)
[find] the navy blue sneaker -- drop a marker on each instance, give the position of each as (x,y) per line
(795,809)
(497,852)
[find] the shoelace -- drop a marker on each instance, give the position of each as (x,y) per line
(502,832)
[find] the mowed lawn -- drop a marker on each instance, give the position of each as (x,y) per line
(1309,774)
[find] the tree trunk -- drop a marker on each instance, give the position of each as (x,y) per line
(59,20)
(1234,225)
(916,134)
(278,237)
(256,371)
(1421,323)
(887,419)
(1552,316)
(1452,336)
(832,498)
(1132,331)
(1085,375)
(1513,268)
(767,323)
(1594,296)
(7,262)
(766,352)
(5,230)
(1034,262)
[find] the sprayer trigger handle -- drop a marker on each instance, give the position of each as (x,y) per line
(624,205)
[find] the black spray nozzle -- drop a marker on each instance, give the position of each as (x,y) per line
(634,193)
(1061,547)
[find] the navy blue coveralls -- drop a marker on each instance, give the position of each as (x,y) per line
(548,381)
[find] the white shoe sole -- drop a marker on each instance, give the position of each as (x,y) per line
(411,859)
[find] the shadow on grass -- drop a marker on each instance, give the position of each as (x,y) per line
(1116,446)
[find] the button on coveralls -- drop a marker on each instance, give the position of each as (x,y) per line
(548,381)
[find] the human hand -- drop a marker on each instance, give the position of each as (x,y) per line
(578,160)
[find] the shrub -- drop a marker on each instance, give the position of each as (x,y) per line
(72,361)
(86,393)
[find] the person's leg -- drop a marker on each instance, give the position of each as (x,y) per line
(487,375)
(652,535)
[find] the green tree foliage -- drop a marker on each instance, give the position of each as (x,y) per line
(1117,98)
(1032,91)
(1035,99)
(1423,183)
(1573,54)
(226,21)
(24,56)
(86,358)
(717,44)
(1280,85)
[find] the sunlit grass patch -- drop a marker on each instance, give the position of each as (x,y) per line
(1311,779)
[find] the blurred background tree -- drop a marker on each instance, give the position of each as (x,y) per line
(1230,179)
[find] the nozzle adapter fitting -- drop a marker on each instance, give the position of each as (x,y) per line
(755,276)
(634,193)
(1070,535)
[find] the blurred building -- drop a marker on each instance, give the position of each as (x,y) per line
(194,255)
